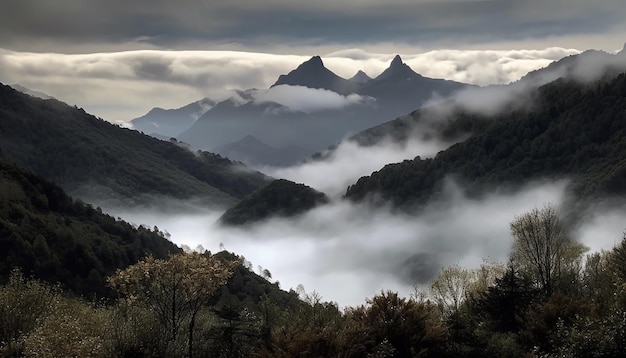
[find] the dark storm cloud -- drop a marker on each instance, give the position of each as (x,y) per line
(177,24)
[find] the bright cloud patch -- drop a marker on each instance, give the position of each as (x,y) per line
(304,99)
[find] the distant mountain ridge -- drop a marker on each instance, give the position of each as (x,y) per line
(171,122)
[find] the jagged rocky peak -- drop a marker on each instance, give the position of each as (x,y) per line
(397,61)
(313,62)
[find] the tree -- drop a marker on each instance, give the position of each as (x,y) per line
(174,289)
(540,245)
(451,288)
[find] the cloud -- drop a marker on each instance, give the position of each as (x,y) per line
(120,86)
(35,24)
(304,99)
(349,252)
(349,161)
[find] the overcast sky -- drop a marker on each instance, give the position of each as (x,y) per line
(87,52)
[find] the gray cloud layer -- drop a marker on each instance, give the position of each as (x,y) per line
(30,24)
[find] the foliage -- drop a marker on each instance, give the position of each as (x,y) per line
(279,198)
(540,244)
(57,239)
(22,304)
(175,289)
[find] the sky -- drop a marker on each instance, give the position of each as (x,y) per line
(118,59)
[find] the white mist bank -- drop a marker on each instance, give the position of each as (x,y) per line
(349,252)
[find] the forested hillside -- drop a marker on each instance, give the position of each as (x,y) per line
(279,198)
(573,130)
(49,235)
(91,158)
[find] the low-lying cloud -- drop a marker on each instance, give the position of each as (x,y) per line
(308,100)
(348,252)
(350,161)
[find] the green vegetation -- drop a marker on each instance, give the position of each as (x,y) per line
(279,198)
(94,159)
(573,130)
(57,239)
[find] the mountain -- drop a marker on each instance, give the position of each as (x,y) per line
(585,66)
(98,161)
(57,239)
(398,90)
(171,122)
(253,152)
(574,130)
(279,198)
(360,77)
(404,90)
(230,121)
(31,92)
(313,74)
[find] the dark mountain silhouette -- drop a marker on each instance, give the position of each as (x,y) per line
(360,77)
(55,238)
(252,151)
(574,130)
(171,122)
(96,160)
(279,198)
(313,74)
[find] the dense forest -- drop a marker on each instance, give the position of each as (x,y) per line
(549,300)
(572,130)
(279,198)
(58,239)
(94,159)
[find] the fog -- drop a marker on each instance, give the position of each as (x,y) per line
(305,99)
(349,161)
(348,252)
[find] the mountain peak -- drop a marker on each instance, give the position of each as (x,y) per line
(315,60)
(398,70)
(313,74)
(397,61)
(360,77)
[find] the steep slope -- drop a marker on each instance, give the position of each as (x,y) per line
(574,130)
(97,161)
(279,198)
(55,238)
(171,122)
(313,74)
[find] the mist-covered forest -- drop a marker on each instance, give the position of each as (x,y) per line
(550,298)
